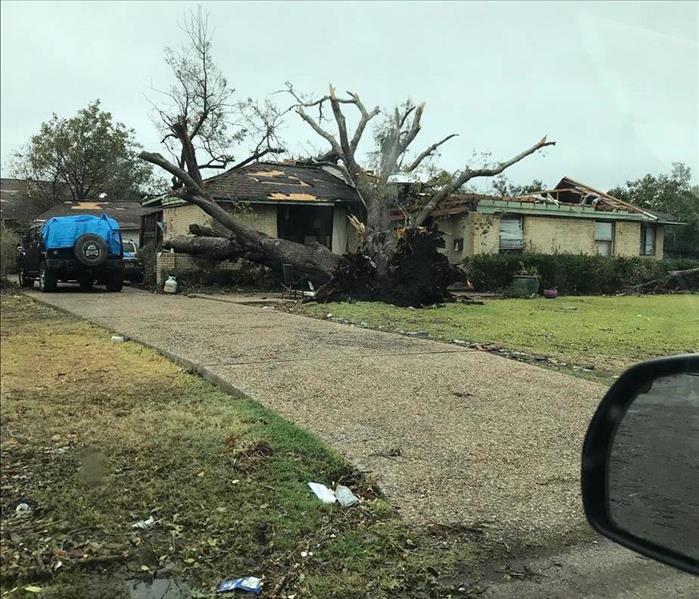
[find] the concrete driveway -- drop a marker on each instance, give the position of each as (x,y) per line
(453,436)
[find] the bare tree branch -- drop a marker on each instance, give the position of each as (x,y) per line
(259,154)
(467,174)
(320,131)
(428,152)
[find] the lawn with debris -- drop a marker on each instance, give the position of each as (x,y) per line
(592,337)
(123,476)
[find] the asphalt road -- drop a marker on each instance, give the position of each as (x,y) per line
(654,465)
(600,570)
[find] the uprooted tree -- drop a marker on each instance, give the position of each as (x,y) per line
(397,261)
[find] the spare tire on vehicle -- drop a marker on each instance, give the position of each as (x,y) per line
(90,249)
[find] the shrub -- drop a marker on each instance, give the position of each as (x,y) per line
(8,253)
(246,275)
(148,255)
(571,274)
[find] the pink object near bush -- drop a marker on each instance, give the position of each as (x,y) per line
(550,293)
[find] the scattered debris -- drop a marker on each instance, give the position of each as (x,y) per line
(146,524)
(249,584)
(323,493)
(345,497)
(170,285)
(118,339)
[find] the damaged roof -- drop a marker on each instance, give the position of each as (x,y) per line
(568,198)
(569,191)
(16,202)
(273,182)
(127,214)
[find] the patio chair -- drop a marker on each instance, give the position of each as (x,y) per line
(292,287)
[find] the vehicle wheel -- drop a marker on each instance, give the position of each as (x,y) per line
(48,281)
(86,283)
(115,281)
(25,281)
(90,249)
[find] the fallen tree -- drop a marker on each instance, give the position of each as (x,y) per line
(397,261)
(674,280)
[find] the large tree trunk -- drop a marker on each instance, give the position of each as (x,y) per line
(315,261)
(687,280)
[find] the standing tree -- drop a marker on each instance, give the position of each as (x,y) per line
(84,156)
(380,270)
(503,187)
(673,195)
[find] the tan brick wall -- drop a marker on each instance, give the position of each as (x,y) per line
(171,263)
(547,235)
(455,227)
(627,238)
(484,237)
(261,217)
(178,218)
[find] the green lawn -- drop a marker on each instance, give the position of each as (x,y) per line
(96,436)
(608,333)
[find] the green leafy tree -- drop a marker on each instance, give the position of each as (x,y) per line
(673,195)
(83,156)
(503,187)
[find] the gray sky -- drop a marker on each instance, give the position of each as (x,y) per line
(615,84)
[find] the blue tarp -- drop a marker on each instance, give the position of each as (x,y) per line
(62,231)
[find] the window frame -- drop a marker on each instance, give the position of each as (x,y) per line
(599,240)
(645,228)
(511,250)
(457,241)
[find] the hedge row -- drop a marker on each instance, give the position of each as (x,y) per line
(571,274)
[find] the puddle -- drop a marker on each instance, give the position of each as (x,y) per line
(158,588)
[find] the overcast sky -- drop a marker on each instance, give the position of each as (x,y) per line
(615,84)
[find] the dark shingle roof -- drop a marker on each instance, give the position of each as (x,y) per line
(127,214)
(280,182)
(16,202)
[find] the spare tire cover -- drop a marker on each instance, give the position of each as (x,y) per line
(90,249)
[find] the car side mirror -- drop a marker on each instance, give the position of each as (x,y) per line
(640,462)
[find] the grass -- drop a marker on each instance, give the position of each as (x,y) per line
(96,436)
(609,333)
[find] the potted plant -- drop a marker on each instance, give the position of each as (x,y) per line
(525,281)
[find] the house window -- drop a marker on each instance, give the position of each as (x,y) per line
(511,234)
(458,245)
(604,238)
(647,239)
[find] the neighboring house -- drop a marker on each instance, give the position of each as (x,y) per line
(20,203)
(127,214)
(301,203)
(571,218)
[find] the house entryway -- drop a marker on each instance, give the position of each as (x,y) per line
(306,224)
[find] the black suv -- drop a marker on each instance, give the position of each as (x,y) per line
(89,260)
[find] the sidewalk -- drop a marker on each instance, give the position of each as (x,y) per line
(453,436)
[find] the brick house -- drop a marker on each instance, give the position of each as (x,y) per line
(571,218)
(302,203)
(291,201)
